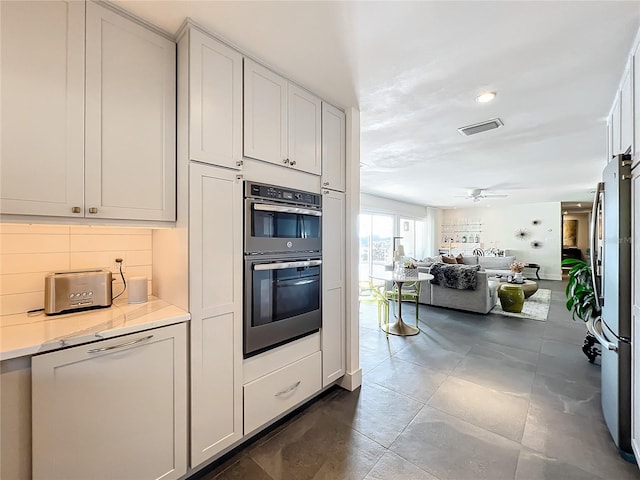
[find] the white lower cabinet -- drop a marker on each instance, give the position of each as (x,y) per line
(215,279)
(273,394)
(114,409)
(333,287)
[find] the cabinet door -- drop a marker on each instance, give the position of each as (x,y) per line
(265,114)
(112,409)
(304,130)
(635,314)
(42,108)
(130,119)
(626,112)
(333,148)
(615,128)
(636,105)
(215,278)
(333,287)
(215,100)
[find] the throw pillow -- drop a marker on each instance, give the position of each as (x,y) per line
(450,260)
(459,259)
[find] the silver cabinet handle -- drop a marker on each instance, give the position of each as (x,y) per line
(75,210)
(126,344)
(293,162)
(326,184)
(289,390)
(285,161)
(93,210)
(266,207)
(283,265)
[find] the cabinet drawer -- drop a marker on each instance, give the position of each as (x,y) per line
(275,393)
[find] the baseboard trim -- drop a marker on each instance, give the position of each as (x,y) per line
(351,381)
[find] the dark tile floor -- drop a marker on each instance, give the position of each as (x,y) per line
(470,397)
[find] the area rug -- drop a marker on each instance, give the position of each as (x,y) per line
(536,307)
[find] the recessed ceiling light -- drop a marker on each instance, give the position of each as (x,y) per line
(485,97)
(579,205)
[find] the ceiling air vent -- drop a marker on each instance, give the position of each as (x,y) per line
(481,127)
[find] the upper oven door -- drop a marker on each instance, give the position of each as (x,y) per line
(277,227)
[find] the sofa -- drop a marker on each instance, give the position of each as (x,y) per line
(492,265)
(480,300)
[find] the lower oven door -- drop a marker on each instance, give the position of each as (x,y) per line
(282,301)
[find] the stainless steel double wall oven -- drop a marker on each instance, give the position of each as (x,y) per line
(282,265)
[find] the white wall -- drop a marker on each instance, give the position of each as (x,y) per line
(499,224)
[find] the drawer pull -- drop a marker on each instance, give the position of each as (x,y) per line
(133,342)
(290,389)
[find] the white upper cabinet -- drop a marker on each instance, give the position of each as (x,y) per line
(626,112)
(130,119)
(265,114)
(86,133)
(42,108)
(333,148)
(215,101)
(305,130)
(282,122)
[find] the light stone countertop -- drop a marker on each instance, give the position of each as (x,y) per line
(22,334)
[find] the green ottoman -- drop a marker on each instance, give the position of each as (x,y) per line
(511,297)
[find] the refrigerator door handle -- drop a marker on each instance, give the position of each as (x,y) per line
(594,257)
(600,336)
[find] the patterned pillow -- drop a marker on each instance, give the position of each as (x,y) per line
(450,260)
(459,259)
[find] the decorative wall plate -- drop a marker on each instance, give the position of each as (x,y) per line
(521,233)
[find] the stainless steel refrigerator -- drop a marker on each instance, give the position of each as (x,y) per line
(611,265)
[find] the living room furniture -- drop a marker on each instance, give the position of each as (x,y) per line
(534,266)
(410,293)
(480,300)
(399,327)
(370,293)
(511,297)
(529,287)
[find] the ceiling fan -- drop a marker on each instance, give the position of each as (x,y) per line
(477,194)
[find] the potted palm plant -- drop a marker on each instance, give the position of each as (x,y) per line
(582,301)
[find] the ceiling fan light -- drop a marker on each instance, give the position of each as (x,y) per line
(486,97)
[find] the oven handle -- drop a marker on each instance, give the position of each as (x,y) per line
(267,207)
(282,265)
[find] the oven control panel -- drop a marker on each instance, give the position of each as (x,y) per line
(272,192)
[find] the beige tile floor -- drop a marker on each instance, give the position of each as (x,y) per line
(470,397)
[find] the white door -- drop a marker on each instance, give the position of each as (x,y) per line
(333,287)
(215,102)
(265,114)
(635,314)
(304,130)
(42,108)
(130,152)
(115,409)
(333,148)
(215,278)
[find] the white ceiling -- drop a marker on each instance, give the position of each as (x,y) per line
(414,69)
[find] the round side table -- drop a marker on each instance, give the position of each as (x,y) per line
(511,297)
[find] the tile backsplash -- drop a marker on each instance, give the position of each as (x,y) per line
(29,252)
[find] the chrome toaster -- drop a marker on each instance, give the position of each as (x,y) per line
(65,292)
